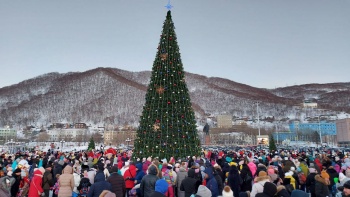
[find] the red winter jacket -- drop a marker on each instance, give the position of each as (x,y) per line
(35,184)
(129,177)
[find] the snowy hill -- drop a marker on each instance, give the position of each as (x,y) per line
(114,96)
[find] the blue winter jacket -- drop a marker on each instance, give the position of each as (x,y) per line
(212,185)
(139,173)
(99,185)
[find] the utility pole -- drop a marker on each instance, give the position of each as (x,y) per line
(257,111)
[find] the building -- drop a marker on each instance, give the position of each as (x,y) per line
(67,135)
(119,137)
(224,121)
(326,128)
(343,132)
(6,134)
(309,132)
(309,104)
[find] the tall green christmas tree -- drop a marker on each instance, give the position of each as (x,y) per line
(167,124)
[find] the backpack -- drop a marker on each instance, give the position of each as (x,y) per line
(302,178)
(84,189)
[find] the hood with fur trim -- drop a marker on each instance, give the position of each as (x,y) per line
(322,180)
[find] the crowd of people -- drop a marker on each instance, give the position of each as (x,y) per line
(243,173)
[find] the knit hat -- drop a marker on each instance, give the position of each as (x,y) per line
(161,186)
(42,170)
(203,191)
(324,174)
(270,171)
(347,185)
(227,192)
(312,170)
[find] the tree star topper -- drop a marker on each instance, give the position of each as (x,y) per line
(168,6)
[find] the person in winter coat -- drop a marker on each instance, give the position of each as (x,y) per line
(282,192)
(15,187)
(219,181)
(321,186)
(181,175)
(332,174)
(66,182)
(220,173)
(139,175)
(345,190)
(58,168)
(311,182)
(234,180)
(146,164)
(77,180)
(48,180)
(84,185)
(5,186)
(212,185)
(270,190)
(252,167)
(160,189)
(259,181)
(148,182)
(99,185)
(129,177)
(168,176)
(35,188)
(190,184)
(117,182)
(246,184)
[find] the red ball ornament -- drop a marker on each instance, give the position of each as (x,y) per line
(170,38)
(169,102)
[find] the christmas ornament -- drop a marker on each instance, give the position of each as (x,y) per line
(156,126)
(160,90)
(163,56)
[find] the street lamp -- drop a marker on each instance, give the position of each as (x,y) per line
(319,125)
(128,140)
(62,142)
(257,111)
(319,129)
(11,146)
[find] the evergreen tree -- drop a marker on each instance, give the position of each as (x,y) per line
(272,145)
(167,124)
(91,144)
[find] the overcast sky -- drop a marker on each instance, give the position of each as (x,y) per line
(262,43)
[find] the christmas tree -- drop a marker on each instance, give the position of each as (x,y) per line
(272,145)
(91,144)
(167,124)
